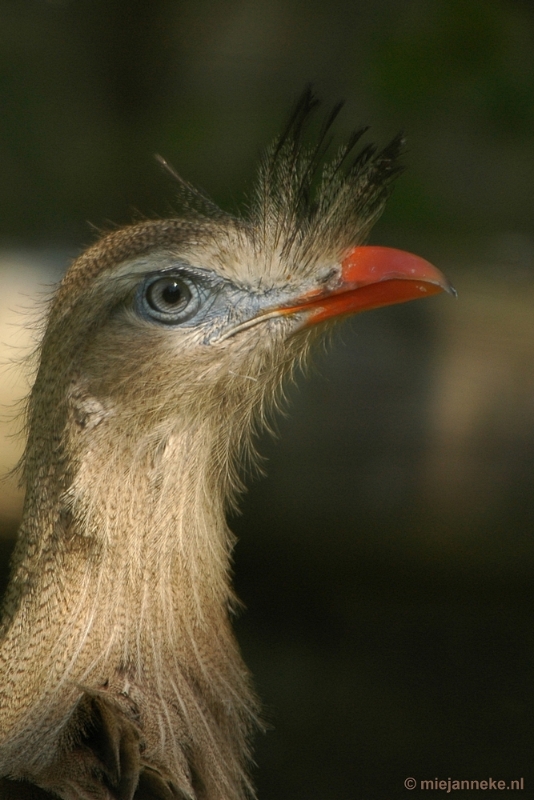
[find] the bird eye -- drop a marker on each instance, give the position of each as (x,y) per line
(169,299)
(168,296)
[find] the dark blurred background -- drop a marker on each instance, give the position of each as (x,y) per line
(386,561)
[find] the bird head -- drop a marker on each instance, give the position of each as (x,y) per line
(169,328)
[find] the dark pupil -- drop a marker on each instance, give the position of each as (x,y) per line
(172,293)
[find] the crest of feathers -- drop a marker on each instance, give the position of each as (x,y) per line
(305,206)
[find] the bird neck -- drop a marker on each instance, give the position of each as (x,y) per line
(121,575)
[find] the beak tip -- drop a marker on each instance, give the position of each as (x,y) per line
(451,290)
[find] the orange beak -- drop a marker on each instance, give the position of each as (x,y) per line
(372,277)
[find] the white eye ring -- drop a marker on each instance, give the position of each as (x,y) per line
(170,299)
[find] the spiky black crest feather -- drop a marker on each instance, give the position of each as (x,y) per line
(312,208)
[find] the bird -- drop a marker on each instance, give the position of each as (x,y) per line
(165,350)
